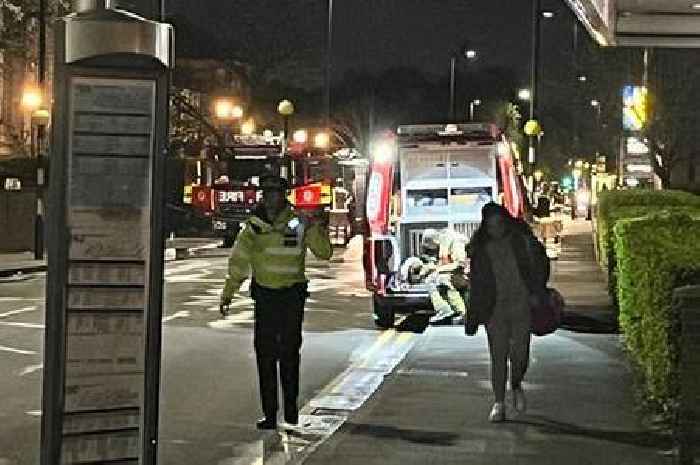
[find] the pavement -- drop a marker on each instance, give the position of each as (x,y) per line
(433,407)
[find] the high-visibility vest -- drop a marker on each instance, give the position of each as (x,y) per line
(275,254)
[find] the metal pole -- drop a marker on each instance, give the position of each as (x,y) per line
(471,111)
(534,65)
(41,78)
(453,64)
(329,78)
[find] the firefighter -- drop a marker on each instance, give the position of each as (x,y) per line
(272,247)
(448,250)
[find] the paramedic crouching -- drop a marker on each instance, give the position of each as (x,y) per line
(272,247)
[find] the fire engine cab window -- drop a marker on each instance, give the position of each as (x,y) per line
(426,201)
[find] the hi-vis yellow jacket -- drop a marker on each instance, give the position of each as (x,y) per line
(274,253)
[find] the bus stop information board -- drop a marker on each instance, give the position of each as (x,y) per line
(110,151)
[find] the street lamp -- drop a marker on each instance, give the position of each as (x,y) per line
(226,109)
(470,55)
(285,109)
(472,105)
(31,99)
(524,95)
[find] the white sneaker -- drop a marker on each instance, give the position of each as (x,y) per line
(519,400)
(498,413)
(291,427)
(441,315)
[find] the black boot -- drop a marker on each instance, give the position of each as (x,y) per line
(291,412)
(266,423)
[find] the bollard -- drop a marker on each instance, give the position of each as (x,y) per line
(686,301)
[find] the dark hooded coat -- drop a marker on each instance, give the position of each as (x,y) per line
(531,258)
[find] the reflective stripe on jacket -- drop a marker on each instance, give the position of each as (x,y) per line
(275,253)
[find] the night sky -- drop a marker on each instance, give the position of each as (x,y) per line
(404,38)
(375,35)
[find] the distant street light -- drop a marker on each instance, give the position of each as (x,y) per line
(524,95)
(225,109)
(548,14)
(595,103)
(470,55)
(31,99)
(286,109)
(472,106)
(583,78)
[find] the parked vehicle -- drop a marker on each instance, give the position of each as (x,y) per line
(434,177)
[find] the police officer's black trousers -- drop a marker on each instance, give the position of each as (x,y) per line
(279,314)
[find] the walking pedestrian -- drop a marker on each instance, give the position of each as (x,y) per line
(272,247)
(509,274)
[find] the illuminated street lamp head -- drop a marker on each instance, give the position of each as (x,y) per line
(248,127)
(31,98)
(476,102)
(548,14)
(300,136)
(583,78)
(524,94)
(285,108)
(595,103)
(225,109)
(322,140)
(470,54)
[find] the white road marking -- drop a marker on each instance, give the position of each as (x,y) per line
(19,299)
(21,325)
(33,413)
(17,351)
(31,369)
(230,321)
(18,311)
(180,314)
(194,279)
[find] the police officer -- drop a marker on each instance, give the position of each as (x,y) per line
(272,245)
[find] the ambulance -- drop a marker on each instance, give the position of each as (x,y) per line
(430,177)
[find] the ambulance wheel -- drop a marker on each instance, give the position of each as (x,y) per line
(383,314)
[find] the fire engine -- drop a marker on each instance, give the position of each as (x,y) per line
(316,182)
(233,194)
(434,177)
(312,170)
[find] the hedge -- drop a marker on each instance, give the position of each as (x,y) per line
(607,236)
(612,203)
(655,254)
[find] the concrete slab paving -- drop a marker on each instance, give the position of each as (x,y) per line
(581,409)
